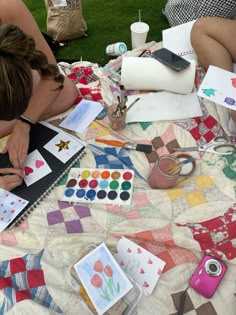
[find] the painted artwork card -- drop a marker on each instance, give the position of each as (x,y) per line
(82,116)
(103,279)
(63,146)
(35,168)
(219,86)
(10,206)
(141,265)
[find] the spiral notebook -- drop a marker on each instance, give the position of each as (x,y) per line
(177,39)
(54,166)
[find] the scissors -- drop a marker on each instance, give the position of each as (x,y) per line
(218,145)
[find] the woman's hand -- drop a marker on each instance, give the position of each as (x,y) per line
(10,178)
(18,144)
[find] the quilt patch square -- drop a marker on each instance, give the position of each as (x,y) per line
(163,145)
(25,285)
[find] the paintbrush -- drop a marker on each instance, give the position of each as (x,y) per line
(173,168)
(132,104)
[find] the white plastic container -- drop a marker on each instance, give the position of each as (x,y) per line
(116,49)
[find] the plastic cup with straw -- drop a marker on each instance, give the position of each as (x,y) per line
(139,31)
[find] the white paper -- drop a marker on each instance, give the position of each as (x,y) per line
(219,86)
(83,114)
(177,39)
(141,265)
(140,73)
(10,206)
(163,106)
(59,3)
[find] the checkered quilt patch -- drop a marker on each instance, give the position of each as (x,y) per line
(217,236)
(189,308)
(23,279)
(69,219)
(114,158)
(163,145)
(192,192)
(160,242)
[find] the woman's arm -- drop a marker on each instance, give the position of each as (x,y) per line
(46,99)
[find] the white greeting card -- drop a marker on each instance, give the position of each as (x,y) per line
(219,86)
(35,168)
(102,277)
(63,146)
(141,265)
(83,114)
(10,206)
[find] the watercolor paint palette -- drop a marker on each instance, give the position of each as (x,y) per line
(104,186)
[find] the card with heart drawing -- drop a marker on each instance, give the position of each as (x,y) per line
(141,265)
(35,168)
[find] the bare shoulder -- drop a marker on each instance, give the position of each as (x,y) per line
(10,10)
(16,12)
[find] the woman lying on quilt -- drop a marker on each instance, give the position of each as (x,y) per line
(31,84)
(213,40)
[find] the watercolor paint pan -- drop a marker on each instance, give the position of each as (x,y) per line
(104,186)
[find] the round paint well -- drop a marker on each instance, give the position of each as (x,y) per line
(85,174)
(83,183)
(80,193)
(115,175)
(114,184)
(124,195)
(103,184)
(71,183)
(105,174)
(112,195)
(127,175)
(69,192)
(91,193)
(101,194)
(126,185)
(93,183)
(95,174)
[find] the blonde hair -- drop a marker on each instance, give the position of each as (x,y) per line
(18,57)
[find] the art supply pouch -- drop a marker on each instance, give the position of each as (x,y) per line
(125,306)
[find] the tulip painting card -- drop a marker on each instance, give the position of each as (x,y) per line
(103,279)
(219,86)
(141,265)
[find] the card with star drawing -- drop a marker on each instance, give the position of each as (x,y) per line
(63,146)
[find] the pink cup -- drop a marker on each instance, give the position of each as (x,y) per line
(159,177)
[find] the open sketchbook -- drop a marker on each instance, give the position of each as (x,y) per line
(177,39)
(46,163)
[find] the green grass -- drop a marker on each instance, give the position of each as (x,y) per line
(108,22)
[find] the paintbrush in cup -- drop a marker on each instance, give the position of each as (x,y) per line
(132,104)
(175,167)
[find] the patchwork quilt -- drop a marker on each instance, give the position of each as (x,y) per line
(178,225)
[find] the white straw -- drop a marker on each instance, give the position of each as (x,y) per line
(139,15)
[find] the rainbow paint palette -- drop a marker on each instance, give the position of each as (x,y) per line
(106,186)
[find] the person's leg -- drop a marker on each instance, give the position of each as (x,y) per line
(213,40)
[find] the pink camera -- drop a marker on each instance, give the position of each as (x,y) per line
(207,276)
